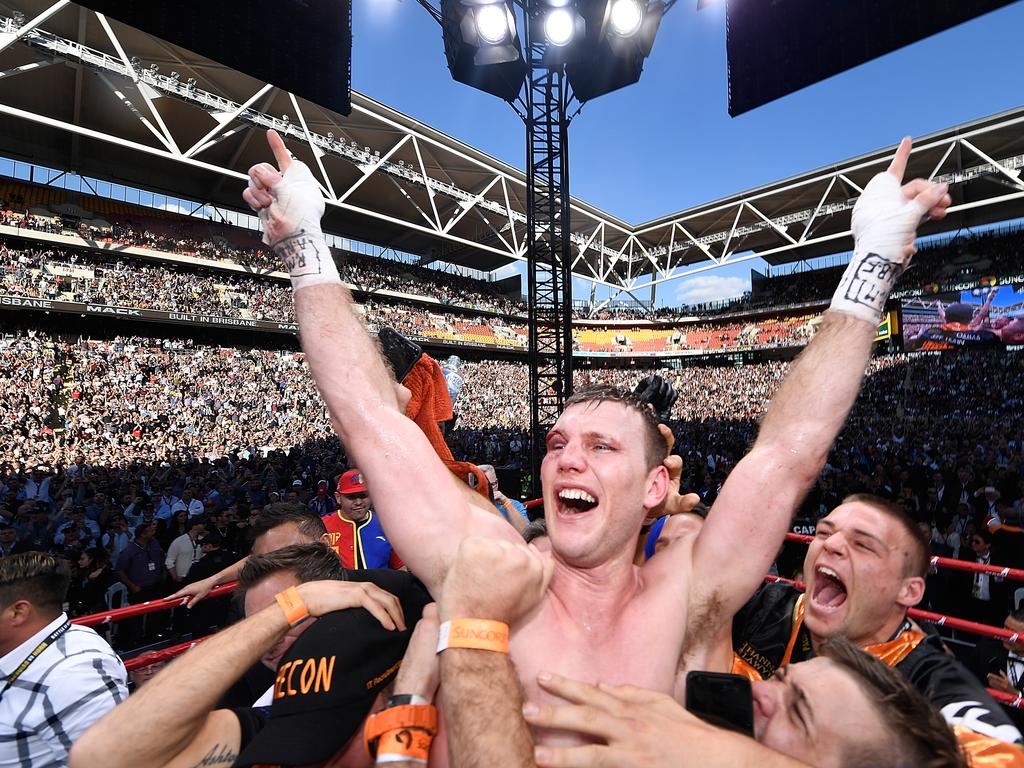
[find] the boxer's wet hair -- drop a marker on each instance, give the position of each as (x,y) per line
(279,513)
(309,562)
(654,443)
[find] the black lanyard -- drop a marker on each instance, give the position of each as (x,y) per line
(43,645)
(906,626)
(146,551)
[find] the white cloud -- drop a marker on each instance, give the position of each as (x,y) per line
(697,290)
(175,208)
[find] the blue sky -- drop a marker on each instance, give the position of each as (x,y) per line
(668,143)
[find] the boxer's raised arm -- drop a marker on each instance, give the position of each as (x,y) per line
(414,494)
(748,522)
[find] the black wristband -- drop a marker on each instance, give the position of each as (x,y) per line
(400,699)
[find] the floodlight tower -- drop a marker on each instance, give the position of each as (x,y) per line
(575,50)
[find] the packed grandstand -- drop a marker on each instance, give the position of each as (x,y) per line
(104,416)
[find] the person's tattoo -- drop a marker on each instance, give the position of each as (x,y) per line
(219,754)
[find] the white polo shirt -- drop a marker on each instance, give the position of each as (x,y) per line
(71,684)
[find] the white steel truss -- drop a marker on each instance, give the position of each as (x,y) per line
(229,116)
(466,201)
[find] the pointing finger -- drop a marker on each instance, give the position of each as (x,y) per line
(282,156)
(939,211)
(898,166)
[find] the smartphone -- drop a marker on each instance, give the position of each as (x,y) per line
(401,353)
(722,700)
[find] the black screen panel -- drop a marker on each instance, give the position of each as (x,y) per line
(776,47)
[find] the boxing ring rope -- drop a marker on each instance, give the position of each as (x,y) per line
(150,658)
(1014,574)
(983,630)
(150,606)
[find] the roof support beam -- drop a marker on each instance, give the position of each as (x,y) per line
(11,36)
(223,120)
(141,87)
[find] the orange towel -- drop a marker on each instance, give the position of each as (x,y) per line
(431,404)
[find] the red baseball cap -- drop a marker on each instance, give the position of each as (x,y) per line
(352,482)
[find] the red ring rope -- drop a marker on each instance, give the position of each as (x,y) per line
(150,606)
(164,654)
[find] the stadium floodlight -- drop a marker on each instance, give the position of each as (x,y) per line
(626,17)
(493,24)
(559,26)
(482,46)
(620,35)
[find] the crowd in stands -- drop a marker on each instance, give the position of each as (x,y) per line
(133,399)
(222,243)
(772,332)
(56,274)
(133,402)
(975,256)
(373,274)
(102,438)
(966,257)
(74,276)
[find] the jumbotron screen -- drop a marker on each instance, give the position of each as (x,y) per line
(979,318)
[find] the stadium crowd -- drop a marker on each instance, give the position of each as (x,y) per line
(965,257)
(124,282)
(136,410)
(368,274)
(139,461)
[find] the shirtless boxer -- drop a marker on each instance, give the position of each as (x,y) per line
(609,619)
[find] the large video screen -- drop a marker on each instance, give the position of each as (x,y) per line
(979,318)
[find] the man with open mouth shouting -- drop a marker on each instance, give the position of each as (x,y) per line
(864,569)
(603,617)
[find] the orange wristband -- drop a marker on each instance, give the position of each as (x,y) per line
(295,611)
(408,727)
(481,634)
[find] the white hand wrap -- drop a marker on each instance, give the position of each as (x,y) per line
(300,207)
(884,223)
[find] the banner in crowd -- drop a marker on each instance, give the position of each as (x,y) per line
(932,289)
(68,270)
(889,326)
(103,310)
(191,318)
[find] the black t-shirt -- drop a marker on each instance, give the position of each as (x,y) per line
(257,679)
(949,338)
(762,629)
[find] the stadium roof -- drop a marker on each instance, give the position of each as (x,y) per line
(78,91)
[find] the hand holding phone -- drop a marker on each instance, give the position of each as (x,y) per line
(722,700)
